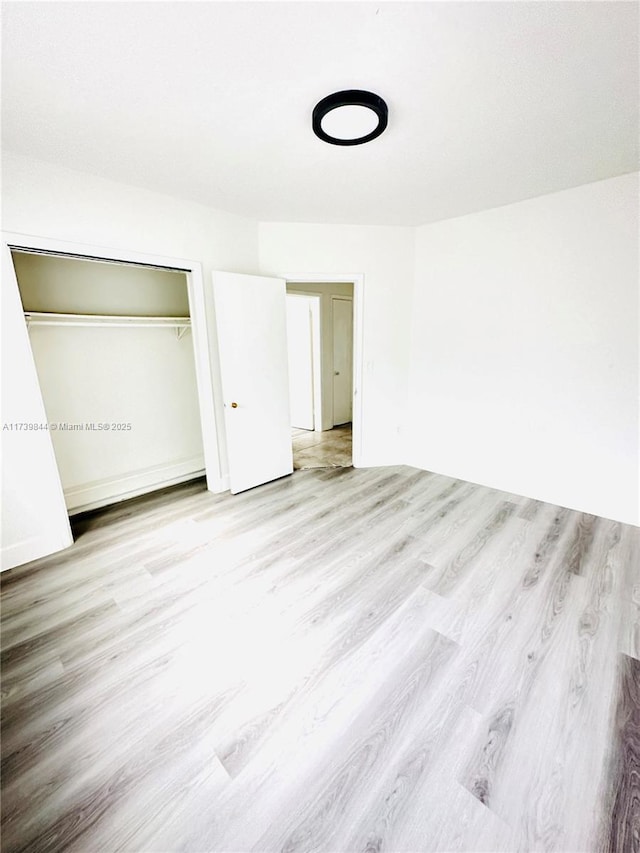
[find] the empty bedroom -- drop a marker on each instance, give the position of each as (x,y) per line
(320,427)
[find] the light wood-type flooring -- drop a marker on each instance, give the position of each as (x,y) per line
(342,660)
(329,449)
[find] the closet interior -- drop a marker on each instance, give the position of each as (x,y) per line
(114,356)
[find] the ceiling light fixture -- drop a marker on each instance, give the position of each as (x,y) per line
(350,117)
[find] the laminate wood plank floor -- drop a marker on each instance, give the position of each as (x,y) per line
(342,660)
(328,449)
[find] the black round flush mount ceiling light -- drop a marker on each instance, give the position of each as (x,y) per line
(351,117)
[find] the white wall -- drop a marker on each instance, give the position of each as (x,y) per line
(385,256)
(44,200)
(524,349)
(50,201)
(141,378)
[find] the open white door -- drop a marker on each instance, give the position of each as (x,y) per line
(34,517)
(252,340)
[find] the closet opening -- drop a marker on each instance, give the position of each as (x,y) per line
(113,347)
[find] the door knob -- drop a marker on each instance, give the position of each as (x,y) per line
(234,405)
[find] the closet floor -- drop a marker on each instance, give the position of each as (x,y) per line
(345,659)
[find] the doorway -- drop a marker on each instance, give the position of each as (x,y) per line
(251,318)
(320,329)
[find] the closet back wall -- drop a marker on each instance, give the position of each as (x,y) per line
(111,375)
(69,285)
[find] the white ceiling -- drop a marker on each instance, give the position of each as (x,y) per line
(489,103)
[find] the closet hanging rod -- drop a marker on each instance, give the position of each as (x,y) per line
(42,318)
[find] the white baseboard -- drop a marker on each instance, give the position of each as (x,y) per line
(34,548)
(93,495)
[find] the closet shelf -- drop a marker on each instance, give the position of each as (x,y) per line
(41,318)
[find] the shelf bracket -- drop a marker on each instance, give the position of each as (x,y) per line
(180,331)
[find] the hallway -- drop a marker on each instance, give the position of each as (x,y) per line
(329,449)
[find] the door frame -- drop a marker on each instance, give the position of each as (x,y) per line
(357,280)
(197,311)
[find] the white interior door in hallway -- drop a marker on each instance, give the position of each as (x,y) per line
(252,341)
(305,369)
(342,314)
